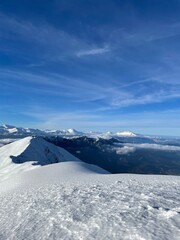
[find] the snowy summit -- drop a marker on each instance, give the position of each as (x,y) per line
(70,199)
(126,134)
(29,152)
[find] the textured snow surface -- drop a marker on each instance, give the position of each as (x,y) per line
(71,172)
(73,202)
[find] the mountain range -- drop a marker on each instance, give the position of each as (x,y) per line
(21,131)
(13,130)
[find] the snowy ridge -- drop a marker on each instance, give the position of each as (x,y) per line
(32,152)
(28,153)
(34,149)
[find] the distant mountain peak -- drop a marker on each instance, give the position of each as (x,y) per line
(126,134)
(73,131)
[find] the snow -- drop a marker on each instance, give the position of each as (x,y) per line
(126,134)
(72,131)
(8,129)
(12,130)
(108,135)
(30,152)
(75,200)
(68,201)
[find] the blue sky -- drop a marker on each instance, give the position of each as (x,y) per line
(91,65)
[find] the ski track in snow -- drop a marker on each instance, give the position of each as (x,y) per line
(132,207)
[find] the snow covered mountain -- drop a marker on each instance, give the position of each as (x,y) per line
(68,132)
(14,131)
(34,149)
(29,153)
(126,134)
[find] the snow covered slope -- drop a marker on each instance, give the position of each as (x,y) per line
(70,201)
(29,152)
(74,200)
(63,172)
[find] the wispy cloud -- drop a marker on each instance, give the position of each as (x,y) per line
(94,51)
(149,98)
(144,122)
(144,33)
(121,71)
(129,148)
(50,118)
(124,150)
(79,90)
(53,43)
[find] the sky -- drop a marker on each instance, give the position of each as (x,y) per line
(99,65)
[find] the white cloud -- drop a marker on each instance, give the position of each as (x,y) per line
(94,51)
(157,147)
(125,150)
(129,148)
(57,84)
(153,97)
(53,43)
(80,90)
